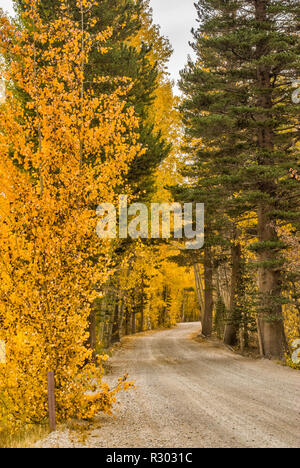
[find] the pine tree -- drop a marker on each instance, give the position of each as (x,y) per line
(238,102)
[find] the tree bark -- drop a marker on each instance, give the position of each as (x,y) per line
(142,319)
(207,320)
(183,308)
(127,322)
(133,323)
(270,315)
(233,321)
(270,288)
(121,315)
(199,287)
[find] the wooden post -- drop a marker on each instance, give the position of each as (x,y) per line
(51,401)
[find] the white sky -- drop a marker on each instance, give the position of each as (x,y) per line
(6,5)
(176,18)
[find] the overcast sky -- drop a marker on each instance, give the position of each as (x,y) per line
(176,18)
(6,5)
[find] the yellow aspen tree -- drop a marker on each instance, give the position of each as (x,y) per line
(63,150)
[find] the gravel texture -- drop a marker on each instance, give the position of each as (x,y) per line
(192,395)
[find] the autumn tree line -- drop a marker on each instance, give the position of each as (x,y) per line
(87,114)
(239,155)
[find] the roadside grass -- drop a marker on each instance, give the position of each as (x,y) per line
(25,438)
(213,341)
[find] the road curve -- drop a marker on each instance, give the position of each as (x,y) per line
(196,395)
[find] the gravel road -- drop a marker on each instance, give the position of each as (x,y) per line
(195,395)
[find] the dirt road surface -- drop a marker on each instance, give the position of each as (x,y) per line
(195,395)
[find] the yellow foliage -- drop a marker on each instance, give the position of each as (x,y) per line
(164,283)
(62,153)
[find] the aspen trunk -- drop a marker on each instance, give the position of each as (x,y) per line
(133,323)
(142,309)
(121,316)
(297,305)
(115,336)
(142,319)
(183,309)
(127,322)
(92,333)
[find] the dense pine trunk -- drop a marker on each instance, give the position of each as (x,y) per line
(233,321)
(199,287)
(271,316)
